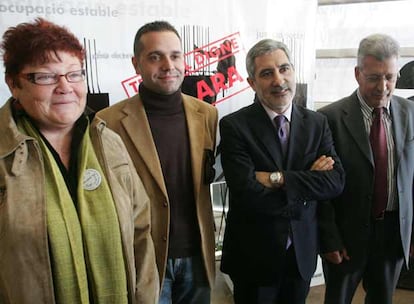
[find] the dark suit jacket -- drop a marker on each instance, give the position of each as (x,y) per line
(345,221)
(259,218)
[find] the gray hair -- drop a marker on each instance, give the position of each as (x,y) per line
(380,46)
(263,47)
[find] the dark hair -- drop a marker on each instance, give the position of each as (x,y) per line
(33,43)
(156,26)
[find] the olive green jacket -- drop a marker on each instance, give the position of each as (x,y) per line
(25,268)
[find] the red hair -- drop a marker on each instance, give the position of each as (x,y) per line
(33,43)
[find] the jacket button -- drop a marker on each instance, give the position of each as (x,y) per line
(165,204)
(164,238)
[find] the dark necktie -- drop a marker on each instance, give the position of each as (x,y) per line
(378,141)
(282,133)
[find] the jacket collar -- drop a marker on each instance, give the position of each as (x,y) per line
(266,133)
(11,138)
(136,119)
(353,120)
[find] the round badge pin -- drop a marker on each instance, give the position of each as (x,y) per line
(91,179)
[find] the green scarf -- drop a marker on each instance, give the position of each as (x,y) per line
(86,247)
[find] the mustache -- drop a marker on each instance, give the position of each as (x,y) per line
(280,88)
(384,94)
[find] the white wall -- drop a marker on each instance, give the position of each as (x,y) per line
(341,27)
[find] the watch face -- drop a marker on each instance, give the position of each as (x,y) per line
(273,177)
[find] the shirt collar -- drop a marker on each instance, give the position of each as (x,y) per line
(365,107)
(272,114)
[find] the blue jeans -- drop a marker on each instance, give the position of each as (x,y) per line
(185,282)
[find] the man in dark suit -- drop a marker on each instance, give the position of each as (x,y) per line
(358,241)
(271,240)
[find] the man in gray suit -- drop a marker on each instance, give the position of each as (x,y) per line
(358,242)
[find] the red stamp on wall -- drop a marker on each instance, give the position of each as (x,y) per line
(211,70)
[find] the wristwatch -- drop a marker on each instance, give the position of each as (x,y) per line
(276,178)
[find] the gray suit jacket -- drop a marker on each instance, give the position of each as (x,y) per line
(344,221)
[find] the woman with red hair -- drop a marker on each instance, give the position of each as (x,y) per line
(72,208)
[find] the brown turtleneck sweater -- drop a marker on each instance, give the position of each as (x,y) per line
(169,129)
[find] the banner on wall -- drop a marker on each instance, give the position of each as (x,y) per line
(215,39)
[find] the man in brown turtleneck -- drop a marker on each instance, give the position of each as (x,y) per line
(171,139)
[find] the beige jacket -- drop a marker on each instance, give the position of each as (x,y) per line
(25,273)
(129,120)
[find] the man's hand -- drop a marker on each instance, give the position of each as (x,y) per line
(323,163)
(336,257)
(263,178)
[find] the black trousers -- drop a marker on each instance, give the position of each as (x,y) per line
(380,269)
(288,288)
